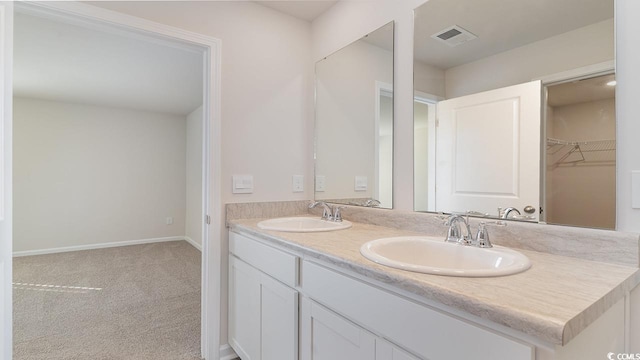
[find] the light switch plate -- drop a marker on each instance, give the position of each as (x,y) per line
(242,184)
(320,183)
(298,183)
(635,189)
(361,183)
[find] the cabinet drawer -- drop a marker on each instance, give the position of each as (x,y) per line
(278,264)
(422,330)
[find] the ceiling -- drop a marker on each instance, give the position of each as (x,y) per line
(100,65)
(302,9)
(500,25)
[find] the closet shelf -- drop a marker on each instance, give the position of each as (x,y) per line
(580,153)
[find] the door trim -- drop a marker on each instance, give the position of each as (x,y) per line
(6,112)
(585,72)
(212,139)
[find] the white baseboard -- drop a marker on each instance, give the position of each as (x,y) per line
(96,246)
(193,243)
(227,353)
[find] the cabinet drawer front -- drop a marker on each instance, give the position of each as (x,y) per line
(424,331)
(279,264)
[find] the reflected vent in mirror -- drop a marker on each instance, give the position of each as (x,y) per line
(454,36)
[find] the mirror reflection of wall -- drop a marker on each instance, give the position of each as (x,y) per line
(354,122)
(580,151)
(466,50)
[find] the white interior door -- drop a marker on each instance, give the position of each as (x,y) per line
(488,150)
(6,99)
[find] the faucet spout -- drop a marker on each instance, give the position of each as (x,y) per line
(508,211)
(327,213)
(454,233)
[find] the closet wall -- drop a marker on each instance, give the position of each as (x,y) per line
(581,182)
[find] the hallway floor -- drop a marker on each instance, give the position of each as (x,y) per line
(131,302)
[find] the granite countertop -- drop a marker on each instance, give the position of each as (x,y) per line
(554,300)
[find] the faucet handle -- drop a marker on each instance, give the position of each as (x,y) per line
(337,213)
(477,213)
(482,237)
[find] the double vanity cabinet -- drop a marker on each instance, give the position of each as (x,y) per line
(292,301)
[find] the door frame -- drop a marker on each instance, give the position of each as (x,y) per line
(381,89)
(585,72)
(6,122)
(212,222)
(432,102)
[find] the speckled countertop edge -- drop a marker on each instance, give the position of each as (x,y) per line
(553,301)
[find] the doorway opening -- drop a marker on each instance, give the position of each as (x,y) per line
(209,206)
(580,171)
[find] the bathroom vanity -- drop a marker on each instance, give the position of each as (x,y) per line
(313,296)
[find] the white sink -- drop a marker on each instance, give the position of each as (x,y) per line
(302,224)
(431,255)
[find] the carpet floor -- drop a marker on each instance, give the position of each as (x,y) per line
(131,302)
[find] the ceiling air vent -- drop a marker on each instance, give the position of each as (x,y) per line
(454,36)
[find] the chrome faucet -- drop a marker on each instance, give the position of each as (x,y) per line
(327,213)
(507,211)
(454,234)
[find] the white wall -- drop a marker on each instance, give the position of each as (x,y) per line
(194,216)
(627,110)
(88,175)
(345,117)
(588,45)
(349,20)
(267,88)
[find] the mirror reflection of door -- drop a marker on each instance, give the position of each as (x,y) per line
(487,152)
(580,179)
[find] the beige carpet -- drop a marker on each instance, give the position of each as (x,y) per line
(130,302)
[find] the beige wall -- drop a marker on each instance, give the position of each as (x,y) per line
(585,194)
(194,216)
(267,89)
(429,79)
(88,175)
(345,126)
(546,57)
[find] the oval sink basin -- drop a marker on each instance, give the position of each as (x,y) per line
(431,255)
(302,224)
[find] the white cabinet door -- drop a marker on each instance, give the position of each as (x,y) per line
(279,325)
(263,315)
(387,351)
(327,336)
(244,309)
(488,150)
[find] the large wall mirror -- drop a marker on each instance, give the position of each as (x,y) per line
(354,122)
(514,110)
